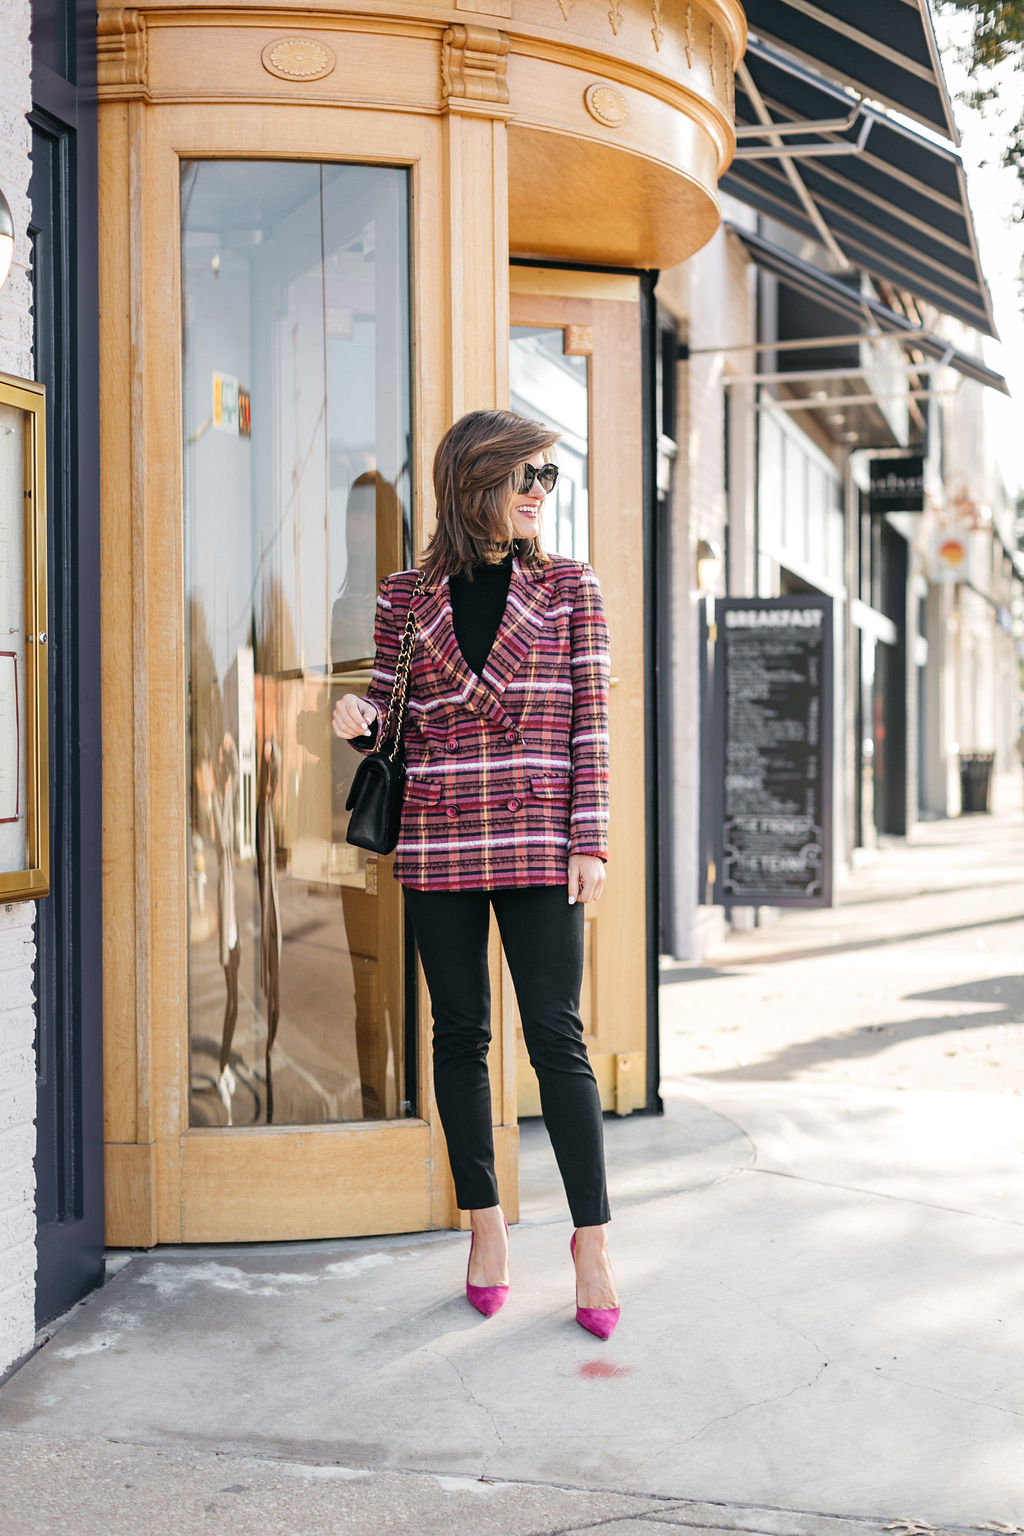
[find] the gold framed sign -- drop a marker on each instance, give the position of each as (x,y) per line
(24,756)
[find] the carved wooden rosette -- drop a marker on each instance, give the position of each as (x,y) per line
(298,58)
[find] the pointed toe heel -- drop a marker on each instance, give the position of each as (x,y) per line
(600,1321)
(487,1299)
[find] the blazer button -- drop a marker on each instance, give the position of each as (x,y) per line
(513,805)
(451,811)
(451,746)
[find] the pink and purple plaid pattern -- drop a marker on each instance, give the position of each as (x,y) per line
(507,772)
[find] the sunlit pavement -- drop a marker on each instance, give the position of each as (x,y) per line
(820,1250)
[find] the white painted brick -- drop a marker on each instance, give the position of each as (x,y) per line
(712,298)
(16,1067)
(17,1106)
(17,940)
(14,64)
(17,948)
(17,1304)
(17,1148)
(15,360)
(15,989)
(17,1187)
(17,914)
(17,1226)
(19,1025)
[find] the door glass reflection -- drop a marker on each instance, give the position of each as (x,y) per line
(296,397)
(550,385)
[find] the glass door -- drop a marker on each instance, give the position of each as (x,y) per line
(575,361)
(296,403)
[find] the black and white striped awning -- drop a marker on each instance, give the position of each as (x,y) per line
(883,49)
(868,315)
(881,196)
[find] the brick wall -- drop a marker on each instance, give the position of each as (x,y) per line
(17,1131)
(712,297)
(17,946)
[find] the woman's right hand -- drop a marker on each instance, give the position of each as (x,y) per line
(352,716)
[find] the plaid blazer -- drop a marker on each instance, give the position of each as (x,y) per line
(507,772)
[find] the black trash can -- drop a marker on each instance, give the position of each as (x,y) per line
(976,782)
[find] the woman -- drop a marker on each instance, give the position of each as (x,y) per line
(506,806)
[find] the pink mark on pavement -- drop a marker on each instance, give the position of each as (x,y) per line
(598,1370)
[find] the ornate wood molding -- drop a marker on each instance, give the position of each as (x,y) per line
(121,53)
(657,31)
(474,62)
(606,105)
(298,58)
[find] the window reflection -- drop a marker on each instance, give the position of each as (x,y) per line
(551,386)
(296,426)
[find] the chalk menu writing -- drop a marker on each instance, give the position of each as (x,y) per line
(773,676)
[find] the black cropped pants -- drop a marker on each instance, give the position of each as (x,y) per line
(542,936)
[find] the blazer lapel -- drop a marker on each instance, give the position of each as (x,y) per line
(521,626)
(433,609)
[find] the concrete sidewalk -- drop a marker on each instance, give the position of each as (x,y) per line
(820,1249)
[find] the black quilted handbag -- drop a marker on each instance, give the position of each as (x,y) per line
(378,788)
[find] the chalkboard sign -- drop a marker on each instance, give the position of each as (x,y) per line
(773,752)
(896,485)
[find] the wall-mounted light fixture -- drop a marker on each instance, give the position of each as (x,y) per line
(709,564)
(6,238)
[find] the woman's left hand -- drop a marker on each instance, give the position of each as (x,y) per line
(586,877)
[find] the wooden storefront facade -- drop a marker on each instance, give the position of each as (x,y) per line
(323,237)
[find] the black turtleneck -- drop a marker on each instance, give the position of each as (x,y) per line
(478,605)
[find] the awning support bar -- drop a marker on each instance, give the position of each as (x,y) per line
(831,401)
(824,125)
(807,151)
(820,375)
(810,344)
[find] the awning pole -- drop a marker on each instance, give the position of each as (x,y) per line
(831,401)
(818,375)
(811,344)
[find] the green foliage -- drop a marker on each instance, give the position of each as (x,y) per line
(997,35)
(997,30)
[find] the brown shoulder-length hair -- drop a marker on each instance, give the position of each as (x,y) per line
(474,486)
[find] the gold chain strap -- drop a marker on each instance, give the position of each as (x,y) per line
(400,687)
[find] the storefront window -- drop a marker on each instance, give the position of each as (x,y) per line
(551,386)
(800,507)
(295,290)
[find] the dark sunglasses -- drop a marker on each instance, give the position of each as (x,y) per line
(526,474)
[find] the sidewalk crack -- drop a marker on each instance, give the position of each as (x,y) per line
(477,1403)
(621,1518)
(765,1402)
(957,1397)
(880,1194)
